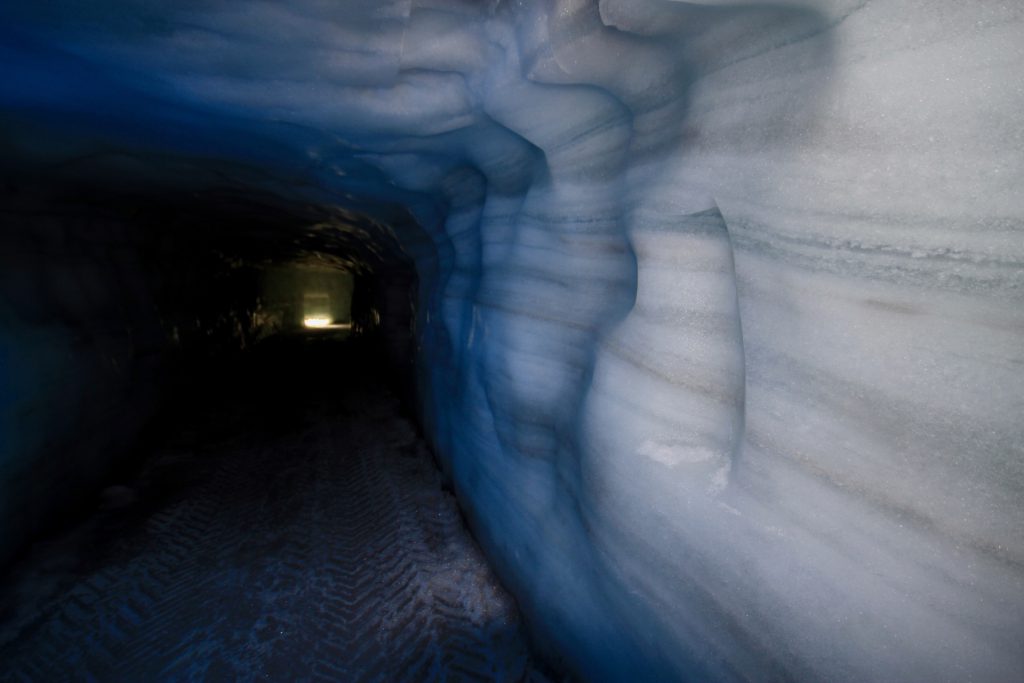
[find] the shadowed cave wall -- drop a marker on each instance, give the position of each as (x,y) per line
(717,311)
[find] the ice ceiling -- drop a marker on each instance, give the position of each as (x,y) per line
(720,322)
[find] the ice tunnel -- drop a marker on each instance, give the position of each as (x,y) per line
(710,316)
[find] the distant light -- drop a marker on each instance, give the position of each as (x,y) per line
(317,322)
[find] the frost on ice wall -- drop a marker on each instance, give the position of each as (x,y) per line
(720,320)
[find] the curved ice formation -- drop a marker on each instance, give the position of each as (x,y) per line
(720,322)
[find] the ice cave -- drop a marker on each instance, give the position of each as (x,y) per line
(514,340)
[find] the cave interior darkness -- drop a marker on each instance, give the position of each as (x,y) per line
(164,336)
(137,292)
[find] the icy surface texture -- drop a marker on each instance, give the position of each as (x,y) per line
(720,322)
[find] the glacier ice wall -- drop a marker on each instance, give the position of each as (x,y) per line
(720,323)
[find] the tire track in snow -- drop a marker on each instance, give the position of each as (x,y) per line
(329,553)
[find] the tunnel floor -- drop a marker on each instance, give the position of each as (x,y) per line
(287,524)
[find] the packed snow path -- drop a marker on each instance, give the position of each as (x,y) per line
(308,538)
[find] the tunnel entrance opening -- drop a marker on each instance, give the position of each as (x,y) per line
(309,296)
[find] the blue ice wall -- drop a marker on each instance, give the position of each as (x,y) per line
(720,325)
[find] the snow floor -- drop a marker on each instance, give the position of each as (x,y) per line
(288,524)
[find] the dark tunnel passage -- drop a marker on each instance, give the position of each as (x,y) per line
(231,485)
(113,299)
